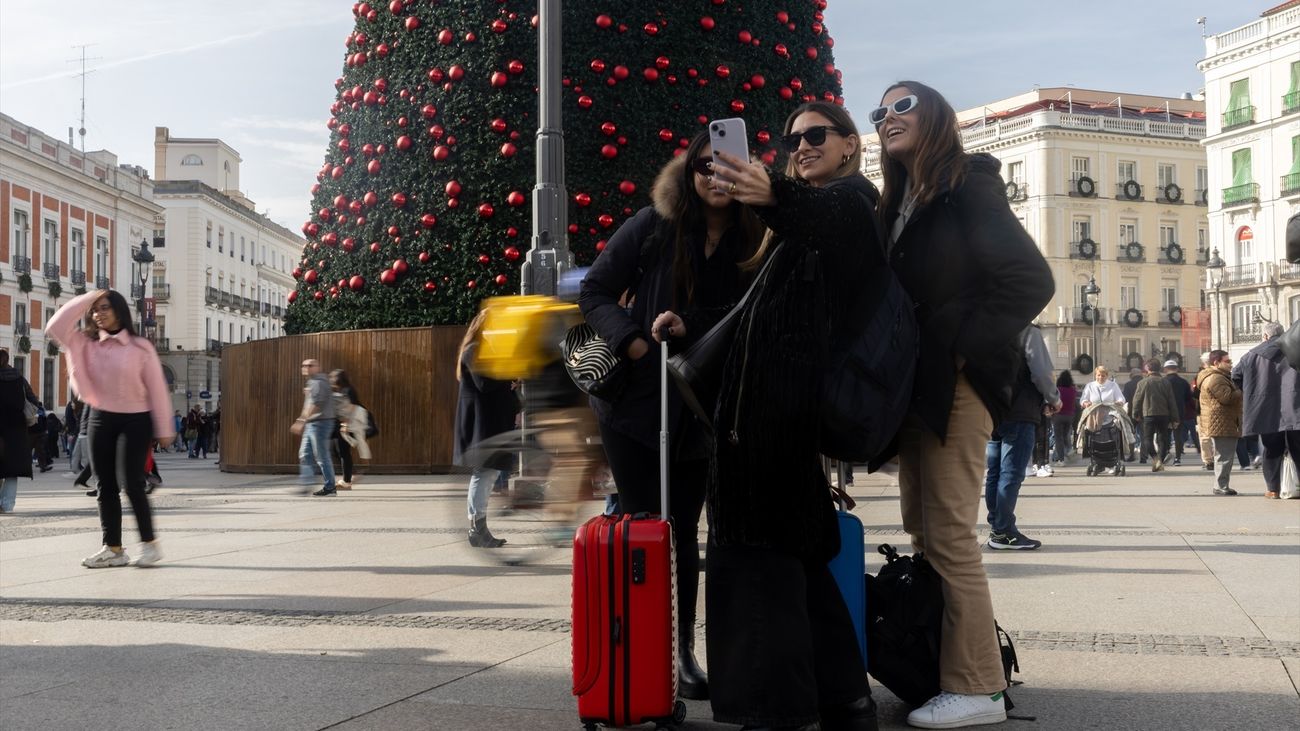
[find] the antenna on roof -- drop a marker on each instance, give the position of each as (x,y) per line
(81,130)
(1201,22)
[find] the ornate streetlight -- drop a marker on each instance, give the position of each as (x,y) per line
(1093,294)
(143,259)
(1216,263)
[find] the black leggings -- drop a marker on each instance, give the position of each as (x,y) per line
(119,446)
(344,451)
(636,473)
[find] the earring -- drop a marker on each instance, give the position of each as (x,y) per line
(844,159)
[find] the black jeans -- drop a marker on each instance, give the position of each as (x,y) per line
(781,644)
(1247,450)
(119,446)
(344,451)
(636,474)
(1276,447)
(1155,435)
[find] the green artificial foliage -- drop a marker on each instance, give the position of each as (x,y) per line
(52,348)
(56,289)
(437,106)
(24,344)
(25,282)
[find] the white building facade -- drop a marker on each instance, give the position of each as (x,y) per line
(69,221)
(222,270)
(1252,93)
(1111,188)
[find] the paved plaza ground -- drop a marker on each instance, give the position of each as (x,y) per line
(1152,605)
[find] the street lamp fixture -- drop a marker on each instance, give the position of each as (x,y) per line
(144,259)
(1093,294)
(1216,264)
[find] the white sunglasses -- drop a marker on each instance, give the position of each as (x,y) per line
(899,107)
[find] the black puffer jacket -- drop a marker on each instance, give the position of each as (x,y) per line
(15,447)
(766,485)
(977,279)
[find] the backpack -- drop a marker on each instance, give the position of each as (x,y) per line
(904,625)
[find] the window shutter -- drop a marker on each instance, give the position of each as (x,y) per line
(1241,167)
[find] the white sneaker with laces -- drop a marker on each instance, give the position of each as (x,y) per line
(149,554)
(1042,472)
(957,710)
(106,558)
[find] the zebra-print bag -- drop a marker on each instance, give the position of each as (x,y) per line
(594,367)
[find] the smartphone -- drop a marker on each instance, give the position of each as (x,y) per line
(728,135)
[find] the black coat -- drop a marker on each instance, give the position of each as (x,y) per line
(486,407)
(15,447)
(977,279)
(766,485)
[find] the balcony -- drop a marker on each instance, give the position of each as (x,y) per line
(1202,196)
(78,278)
(1132,252)
(1291,102)
(22,328)
(162,345)
(276,311)
(1084,314)
(1081,186)
(1288,272)
(51,271)
(23,264)
(1171,253)
(1241,195)
(266,308)
(1241,275)
(1249,333)
(247,305)
(1133,317)
(137,291)
(1290,184)
(227,300)
(1129,190)
(101,282)
(1084,249)
(1169,193)
(162,292)
(1234,118)
(1202,256)
(212,296)
(214,346)
(1172,317)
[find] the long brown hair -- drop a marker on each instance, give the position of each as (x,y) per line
(839,116)
(688,219)
(471,334)
(939,161)
(120,308)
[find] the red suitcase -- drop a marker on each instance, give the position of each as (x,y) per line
(625,613)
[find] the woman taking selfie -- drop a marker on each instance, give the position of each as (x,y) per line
(681,254)
(782,650)
(119,374)
(940,204)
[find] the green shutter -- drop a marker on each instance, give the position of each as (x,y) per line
(1239,94)
(1295,155)
(1295,77)
(1241,167)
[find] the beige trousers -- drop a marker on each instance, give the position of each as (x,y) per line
(940,486)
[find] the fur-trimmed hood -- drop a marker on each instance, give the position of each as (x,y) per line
(667,191)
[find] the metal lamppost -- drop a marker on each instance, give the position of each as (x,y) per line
(143,259)
(1093,293)
(549,255)
(1216,263)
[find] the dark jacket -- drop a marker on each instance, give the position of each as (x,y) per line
(1183,396)
(1155,397)
(1270,390)
(1130,390)
(766,485)
(1035,385)
(977,279)
(641,254)
(486,408)
(15,449)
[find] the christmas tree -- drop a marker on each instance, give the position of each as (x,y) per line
(422,207)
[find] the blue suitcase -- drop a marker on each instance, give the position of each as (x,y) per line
(849,566)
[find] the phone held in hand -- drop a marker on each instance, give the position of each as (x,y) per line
(729,136)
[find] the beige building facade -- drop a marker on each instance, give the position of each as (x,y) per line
(1252,91)
(1112,188)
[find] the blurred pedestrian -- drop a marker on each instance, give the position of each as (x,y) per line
(350,421)
(1271,404)
(15,450)
(485,407)
(1221,408)
(40,445)
(1205,443)
(132,408)
(1063,420)
(1155,406)
(1130,391)
(1186,416)
(315,425)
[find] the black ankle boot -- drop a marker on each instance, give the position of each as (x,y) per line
(859,715)
(692,683)
(481,537)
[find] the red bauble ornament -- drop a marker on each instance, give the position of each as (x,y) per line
(666,135)
(763,136)
(786,93)
(651,29)
(605,220)
(737,106)
(340,201)
(498,79)
(796,84)
(394,232)
(515,66)
(810,52)
(311,230)
(441,152)
(456,72)
(349,244)
(471,36)
(584,101)
(722,71)
(382,50)
(757,81)
(516,199)
(435,131)
(403,143)
(484,259)
(337,172)
(310,276)
(782,17)
(781,50)
(707,23)
(501,280)
(627,187)
(428,220)
(398,199)
(604,21)
(453,188)
(357,283)
(651,74)
(370,198)
(498,26)
(600,245)
(512,253)
(293,297)
(400,266)
(373,167)
(330,239)
(424,257)
(436,75)
(375,248)
(430,286)
(318,295)
(498,125)
(388,277)
(395,7)
(609,152)
(745,37)
(471,284)
(621,72)
(608,128)
(509,149)
(428,111)
(597,66)
(297,272)
(411,23)
(485,210)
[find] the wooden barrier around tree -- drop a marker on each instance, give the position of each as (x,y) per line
(406,377)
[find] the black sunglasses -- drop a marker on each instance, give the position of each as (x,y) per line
(815,136)
(701,165)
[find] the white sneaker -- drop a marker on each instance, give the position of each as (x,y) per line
(149,554)
(1255,463)
(106,558)
(956,710)
(1043,471)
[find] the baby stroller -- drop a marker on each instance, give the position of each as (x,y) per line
(1106,439)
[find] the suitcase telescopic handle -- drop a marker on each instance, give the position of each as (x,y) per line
(664,336)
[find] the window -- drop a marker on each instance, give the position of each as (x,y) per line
(1202,240)
(1239,110)
(20,314)
(241,248)
(101,257)
(1080,346)
(1173,346)
(1128,346)
(191,160)
(1202,177)
(1166,175)
(1128,293)
(209,234)
(1245,245)
(1125,171)
(1291,181)
(1168,295)
(221,240)
(1241,167)
(78,252)
(1082,294)
(21,232)
(1294,307)
(1128,231)
(20,364)
(1079,167)
(1244,325)
(50,241)
(1168,234)
(47,383)
(241,334)
(1016,172)
(207,330)
(208,380)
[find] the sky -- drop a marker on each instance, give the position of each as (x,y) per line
(260,75)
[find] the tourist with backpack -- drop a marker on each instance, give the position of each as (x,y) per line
(677,262)
(977,279)
(782,647)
